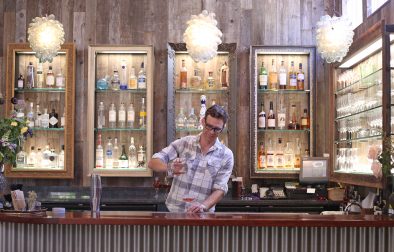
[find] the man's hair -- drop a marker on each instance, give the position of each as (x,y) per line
(218,112)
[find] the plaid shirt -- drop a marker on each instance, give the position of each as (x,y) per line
(205,173)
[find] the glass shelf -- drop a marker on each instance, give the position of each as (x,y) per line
(360,112)
(40,90)
(354,84)
(284,91)
(37,169)
(201,91)
(276,170)
(121,169)
(359,139)
(121,129)
(354,172)
(283,130)
(48,129)
(196,130)
(136,91)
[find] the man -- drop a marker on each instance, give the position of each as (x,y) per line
(207,162)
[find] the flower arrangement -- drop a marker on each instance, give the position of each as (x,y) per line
(13,132)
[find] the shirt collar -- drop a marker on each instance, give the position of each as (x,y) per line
(216,145)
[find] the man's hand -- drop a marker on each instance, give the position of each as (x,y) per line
(178,166)
(197,208)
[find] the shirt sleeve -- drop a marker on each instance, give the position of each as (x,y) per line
(170,152)
(223,175)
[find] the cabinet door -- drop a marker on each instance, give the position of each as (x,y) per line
(207,83)
(120,110)
(47,99)
(282,99)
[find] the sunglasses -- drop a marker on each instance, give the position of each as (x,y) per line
(213,128)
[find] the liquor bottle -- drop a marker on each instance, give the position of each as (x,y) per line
(37,117)
(292,78)
(61,158)
(297,154)
(143,114)
(123,159)
(50,80)
(60,83)
(130,116)
(305,120)
(282,76)
(132,79)
(39,158)
(21,158)
(273,77)
(53,119)
(141,158)
(112,116)
(45,119)
(52,159)
(30,76)
(289,156)
(293,124)
(21,81)
(45,162)
(263,77)
(40,75)
(31,158)
(281,116)
(224,75)
(210,81)
(270,154)
(115,154)
(99,153)
(181,120)
(122,116)
(115,81)
(192,120)
(123,76)
(30,115)
(271,117)
(183,76)
(262,118)
(141,81)
(103,83)
(279,157)
(261,160)
(195,81)
(300,78)
(203,109)
(63,120)
(101,116)
(132,154)
(109,154)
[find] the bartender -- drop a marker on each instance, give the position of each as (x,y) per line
(201,165)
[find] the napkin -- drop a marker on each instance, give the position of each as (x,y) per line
(18,200)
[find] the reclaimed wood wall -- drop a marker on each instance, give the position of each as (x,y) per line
(152,22)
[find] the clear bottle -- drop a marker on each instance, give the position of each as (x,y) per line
(224,75)
(210,81)
(115,81)
(101,116)
(53,159)
(141,157)
(37,117)
(263,77)
(32,158)
(50,80)
(183,76)
(61,158)
(99,153)
(39,158)
(115,154)
(262,118)
(141,81)
(297,154)
(192,120)
(45,157)
(123,159)
(53,119)
(279,157)
(273,77)
(281,116)
(300,78)
(143,114)
(271,117)
(203,109)
(122,116)
(30,76)
(109,154)
(132,154)
(112,116)
(132,84)
(40,75)
(282,76)
(21,82)
(60,82)
(181,120)
(293,124)
(123,76)
(30,115)
(305,120)
(289,156)
(45,119)
(292,77)
(261,158)
(130,116)
(270,154)
(195,81)
(21,158)
(63,120)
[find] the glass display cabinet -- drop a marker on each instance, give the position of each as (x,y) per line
(362,87)
(45,94)
(120,110)
(282,108)
(194,87)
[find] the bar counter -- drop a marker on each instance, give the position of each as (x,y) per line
(159,231)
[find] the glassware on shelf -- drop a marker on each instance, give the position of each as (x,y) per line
(181,120)
(192,120)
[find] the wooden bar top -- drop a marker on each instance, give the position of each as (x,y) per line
(205,219)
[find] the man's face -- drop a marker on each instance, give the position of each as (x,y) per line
(212,127)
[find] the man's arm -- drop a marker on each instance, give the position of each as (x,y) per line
(214,198)
(157,165)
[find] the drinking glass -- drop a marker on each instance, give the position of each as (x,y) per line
(95,194)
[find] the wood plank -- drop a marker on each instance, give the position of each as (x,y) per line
(20,29)
(114,22)
(282,21)
(306,22)
(294,23)
(101,22)
(66,18)
(270,25)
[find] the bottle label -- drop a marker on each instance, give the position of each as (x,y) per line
(263,80)
(270,160)
(289,160)
(112,116)
(130,116)
(124,163)
(142,82)
(262,161)
(99,158)
(53,120)
(60,81)
(20,83)
(293,82)
(50,80)
(300,76)
(281,120)
(279,160)
(62,121)
(261,122)
(140,157)
(282,79)
(304,122)
(142,113)
(122,116)
(109,153)
(271,123)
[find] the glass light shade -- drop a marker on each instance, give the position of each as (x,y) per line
(45,35)
(334,36)
(202,36)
